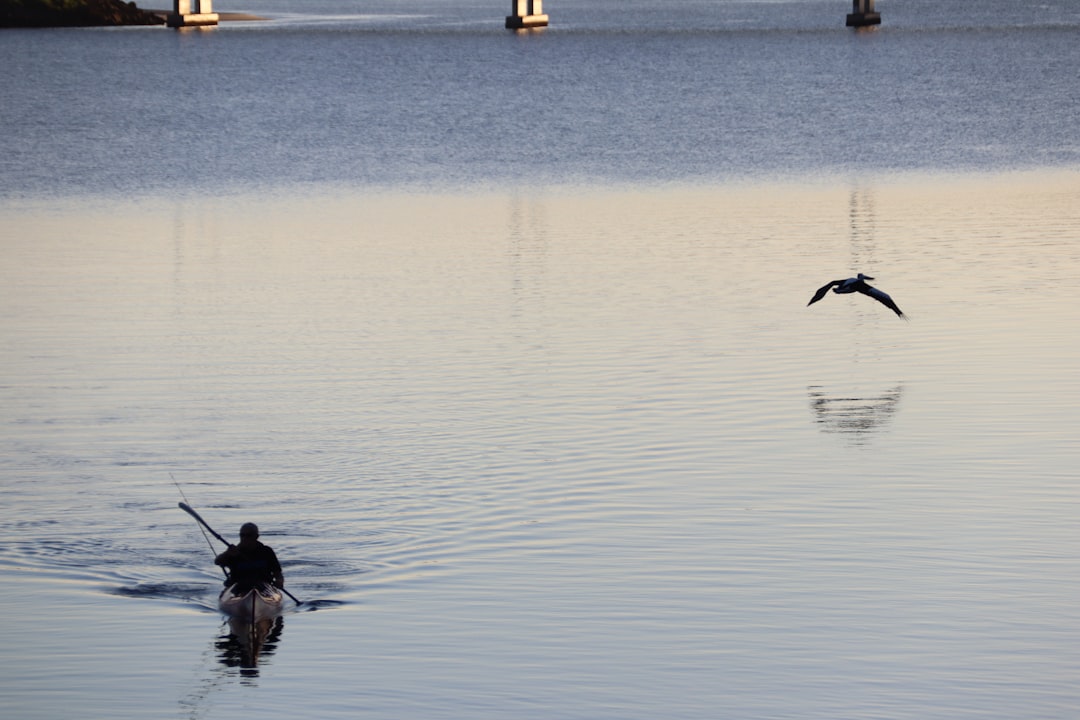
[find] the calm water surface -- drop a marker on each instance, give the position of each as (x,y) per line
(579,454)
(543,428)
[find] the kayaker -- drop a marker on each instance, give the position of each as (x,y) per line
(250,562)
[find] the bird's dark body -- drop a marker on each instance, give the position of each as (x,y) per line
(857,284)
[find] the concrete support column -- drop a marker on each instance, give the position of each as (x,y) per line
(526,14)
(862,14)
(192,13)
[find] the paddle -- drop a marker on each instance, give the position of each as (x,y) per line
(188,509)
(298,602)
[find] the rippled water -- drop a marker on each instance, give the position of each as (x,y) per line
(580,454)
(545,428)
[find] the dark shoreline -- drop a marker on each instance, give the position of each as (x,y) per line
(88,13)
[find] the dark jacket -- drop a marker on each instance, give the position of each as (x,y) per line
(249,564)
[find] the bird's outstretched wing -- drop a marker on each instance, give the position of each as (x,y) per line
(822,290)
(882,298)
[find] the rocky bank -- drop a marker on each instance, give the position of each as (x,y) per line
(74,13)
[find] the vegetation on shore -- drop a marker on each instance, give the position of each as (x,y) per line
(74,13)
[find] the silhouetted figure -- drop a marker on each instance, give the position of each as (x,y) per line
(250,563)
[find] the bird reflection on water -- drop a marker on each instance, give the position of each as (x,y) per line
(854,414)
(243,644)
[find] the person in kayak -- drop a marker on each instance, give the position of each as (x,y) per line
(250,562)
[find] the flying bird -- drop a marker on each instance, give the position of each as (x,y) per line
(857,284)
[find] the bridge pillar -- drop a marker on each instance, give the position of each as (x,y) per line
(192,13)
(862,14)
(526,14)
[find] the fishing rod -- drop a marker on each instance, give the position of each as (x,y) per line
(202,524)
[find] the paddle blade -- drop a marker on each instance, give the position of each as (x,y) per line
(187,508)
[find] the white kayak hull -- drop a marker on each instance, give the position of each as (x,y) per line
(262,603)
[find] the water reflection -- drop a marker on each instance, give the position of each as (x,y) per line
(527,229)
(245,643)
(854,414)
(862,222)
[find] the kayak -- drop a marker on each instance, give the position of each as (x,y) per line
(263,602)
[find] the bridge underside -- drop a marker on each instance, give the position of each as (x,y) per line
(863,19)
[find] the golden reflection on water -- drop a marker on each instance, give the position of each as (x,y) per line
(724,272)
